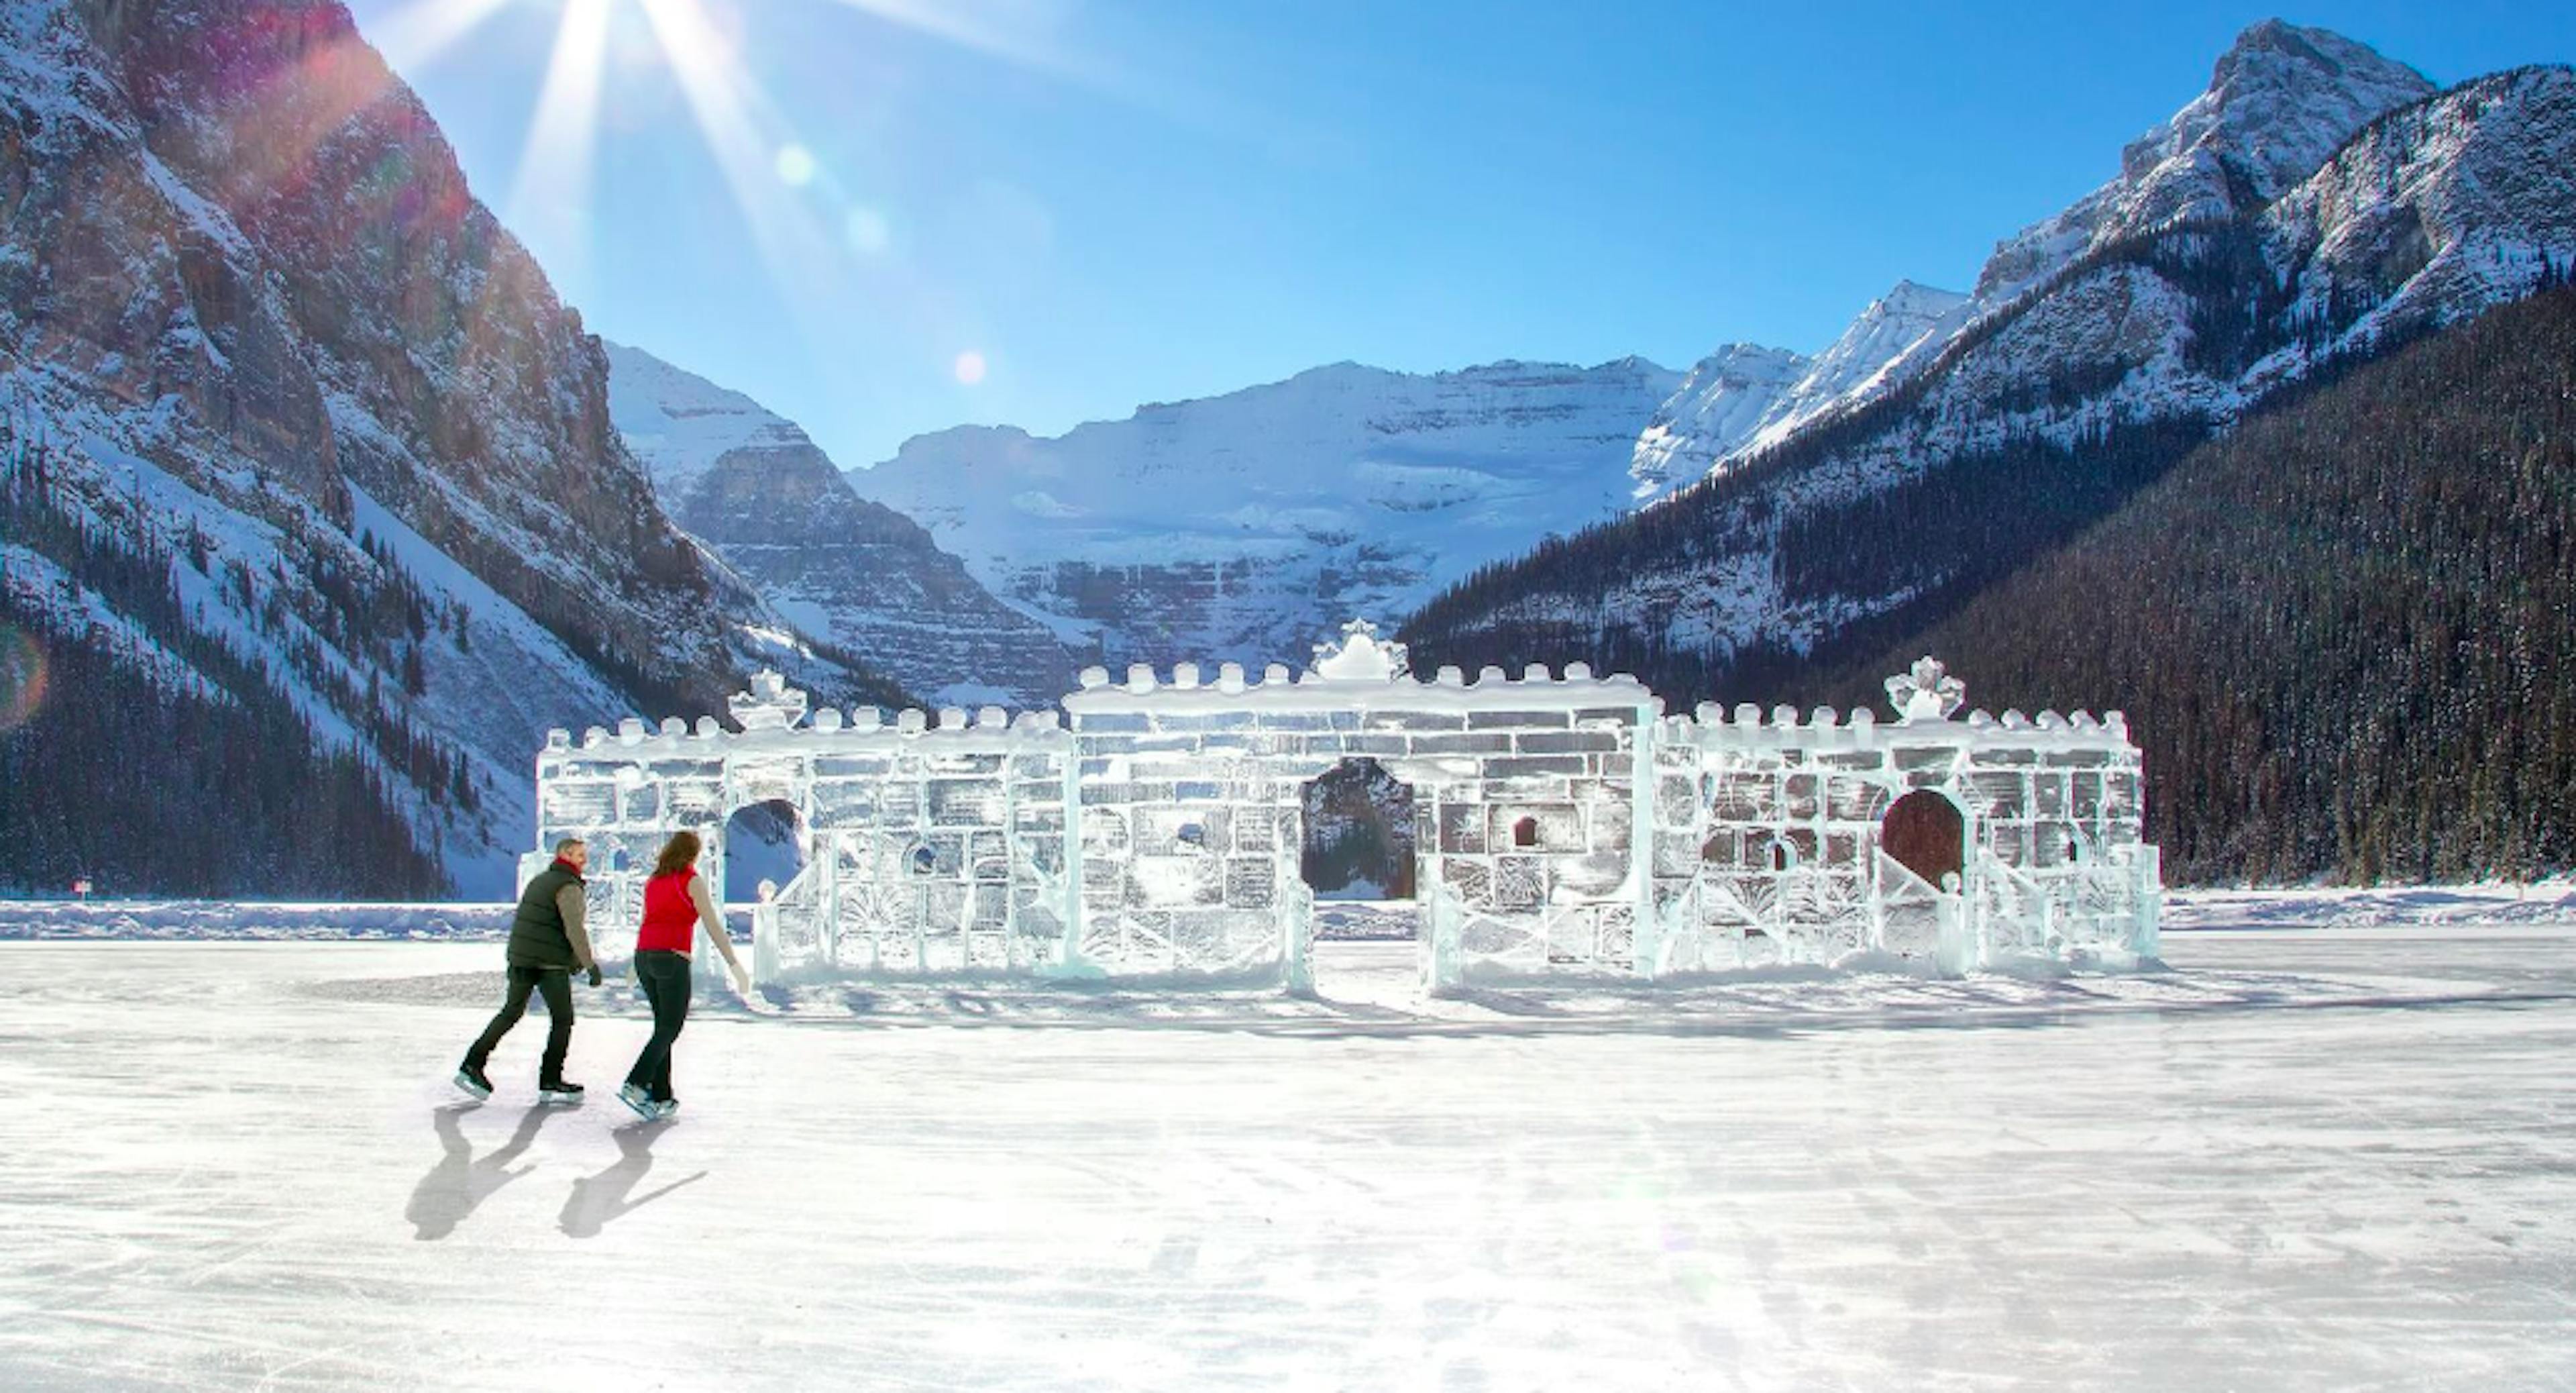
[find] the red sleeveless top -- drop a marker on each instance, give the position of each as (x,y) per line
(670,916)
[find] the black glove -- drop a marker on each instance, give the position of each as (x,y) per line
(594,974)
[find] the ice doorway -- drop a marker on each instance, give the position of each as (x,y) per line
(1925,833)
(1358,853)
(764,844)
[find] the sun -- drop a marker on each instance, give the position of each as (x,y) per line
(811,231)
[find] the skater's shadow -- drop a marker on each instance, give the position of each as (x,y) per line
(599,1200)
(461,1180)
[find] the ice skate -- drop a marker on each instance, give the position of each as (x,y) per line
(471,1081)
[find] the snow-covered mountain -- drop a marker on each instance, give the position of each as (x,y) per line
(290,415)
(2316,202)
(2281,100)
(856,574)
(1746,399)
(1247,527)
(679,425)
(1726,398)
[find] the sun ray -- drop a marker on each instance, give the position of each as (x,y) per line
(800,254)
(958,24)
(809,257)
(550,197)
(420,32)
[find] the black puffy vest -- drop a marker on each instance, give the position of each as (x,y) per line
(537,937)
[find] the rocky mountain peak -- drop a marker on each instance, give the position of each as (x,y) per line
(858,575)
(1744,398)
(254,317)
(1726,397)
(679,424)
(2280,102)
(1245,526)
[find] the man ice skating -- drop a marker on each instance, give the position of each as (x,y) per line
(547,945)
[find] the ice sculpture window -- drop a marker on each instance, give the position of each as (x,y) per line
(1359,833)
(762,841)
(1192,834)
(924,860)
(1525,832)
(1925,833)
(1781,858)
(618,860)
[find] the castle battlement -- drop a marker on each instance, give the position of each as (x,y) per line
(1560,823)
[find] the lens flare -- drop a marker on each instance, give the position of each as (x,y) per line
(870,233)
(737,122)
(970,367)
(22,678)
(795,166)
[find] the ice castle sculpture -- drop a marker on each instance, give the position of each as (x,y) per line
(1563,825)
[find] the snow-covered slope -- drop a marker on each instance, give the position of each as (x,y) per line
(2280,101)
(1248,526)
(1726,398)
(679,424)
(2314,202)
(252,317)
(856,574)
(1746,399)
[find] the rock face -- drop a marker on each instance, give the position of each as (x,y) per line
(2317,203)
(1759,397)
(251,312)
(1725,400)
(2279,104)
(855,574)
(1249,526)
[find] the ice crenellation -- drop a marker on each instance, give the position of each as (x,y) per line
(1561,824)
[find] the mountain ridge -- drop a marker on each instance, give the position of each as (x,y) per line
(754,487)
(1340,491)
(255,326)
(2125,352)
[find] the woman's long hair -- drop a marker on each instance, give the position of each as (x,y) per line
(678,854)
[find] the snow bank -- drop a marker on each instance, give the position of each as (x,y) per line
(2550,901)
(234,921)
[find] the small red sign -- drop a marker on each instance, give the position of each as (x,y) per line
(80,887)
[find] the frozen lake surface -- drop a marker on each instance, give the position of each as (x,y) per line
(2335,1155)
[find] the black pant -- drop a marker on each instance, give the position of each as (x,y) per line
(556,984)
(663,977)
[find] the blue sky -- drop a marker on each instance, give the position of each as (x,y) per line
(1102,202)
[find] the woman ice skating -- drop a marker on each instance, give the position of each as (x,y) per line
(676,903)
(547,946)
